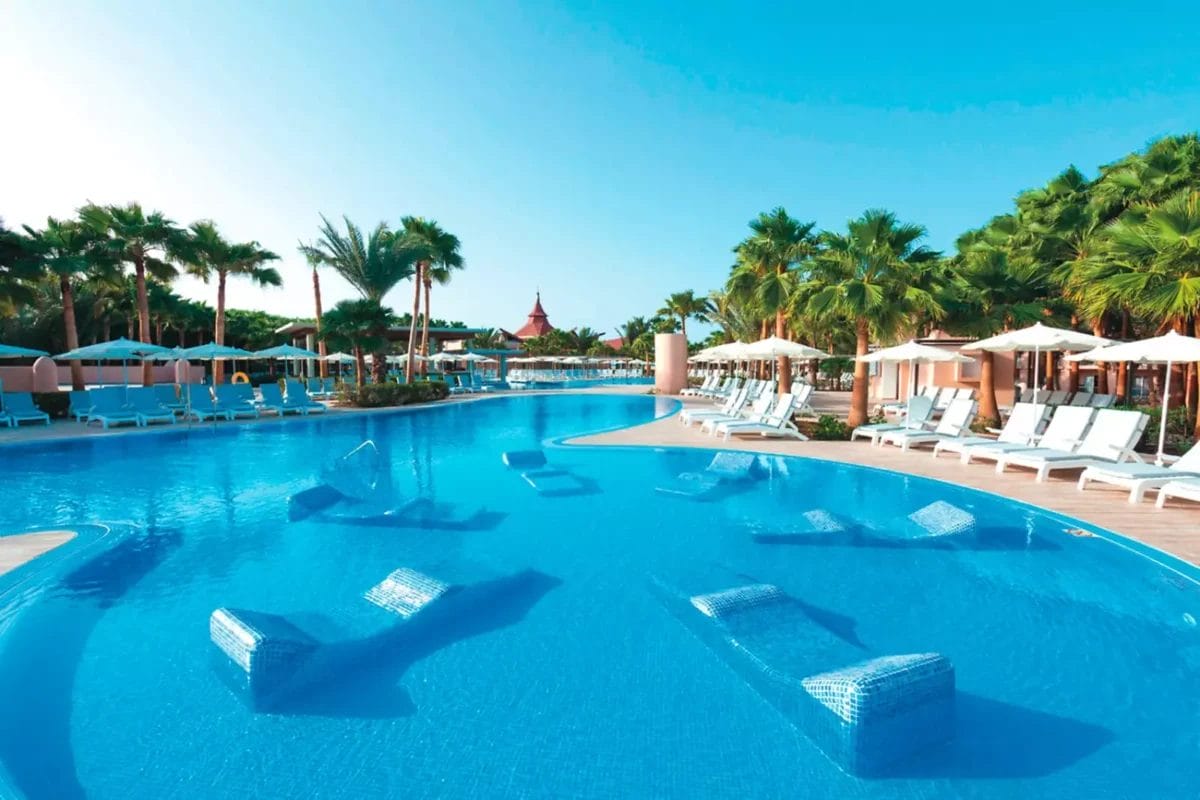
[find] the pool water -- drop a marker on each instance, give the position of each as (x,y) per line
(1076,658)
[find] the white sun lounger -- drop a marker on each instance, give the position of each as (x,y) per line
(778,423)
(1066,429)
(709,383)
(1187,489)
(1138,478)
(920,409)
(756,413)
(1022,426)
(731,406)
(955,422)
(1111,440)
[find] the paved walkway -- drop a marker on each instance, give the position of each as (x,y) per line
(1175,529)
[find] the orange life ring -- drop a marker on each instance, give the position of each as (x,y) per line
(240,377)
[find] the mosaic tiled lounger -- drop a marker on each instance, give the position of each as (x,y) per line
(864,711)
(938,524)
(273,656)
(545,479)
(725,473)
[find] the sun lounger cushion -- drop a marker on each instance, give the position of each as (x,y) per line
(405,592)
(741,598)
(940,518)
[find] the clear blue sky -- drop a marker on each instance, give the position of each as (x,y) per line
(608,153)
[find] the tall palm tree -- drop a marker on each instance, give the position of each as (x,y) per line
(373,266)
(872,274)
(356,325)
(315,261)
(147,241)
(777,243)
(441,257)
(19,267)
(684,306)
(208,253)
(69,251)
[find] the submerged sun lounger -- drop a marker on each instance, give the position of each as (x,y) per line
(18,407)
(1138,478)
(1110,440)
(865,711)
(545,479)
(725,473)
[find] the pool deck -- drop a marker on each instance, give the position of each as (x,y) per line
(1174,529)
(15,550)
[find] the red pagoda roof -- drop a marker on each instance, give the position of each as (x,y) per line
(538,323)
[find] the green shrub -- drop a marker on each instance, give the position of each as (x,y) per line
(830,428)
(382,395)
(53,403)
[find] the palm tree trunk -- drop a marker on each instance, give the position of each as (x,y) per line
(1101,386)
(322,366)
(785,363)
(425,324)
(683,328)
(70,329)
(987,388)
(360,366)
(143,313)
(182,336)
(1049,375)
(158,332)
(106,329)
(412,326)
(219,328)
(858,394)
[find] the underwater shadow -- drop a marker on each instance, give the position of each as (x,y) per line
(43,651)
(367,688)
(996,740)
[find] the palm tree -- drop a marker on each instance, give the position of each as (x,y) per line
(148,242)
(314,261)
(872,275)
(777,243)
(684,306)
(373,266)
(208,253)
(441,257)
(68,250)
(18,269)
(355,325)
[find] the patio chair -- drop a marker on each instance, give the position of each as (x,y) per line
(1186,489)
(79,404)
(777,423)
(1065,430)
(733,406)
(756,413)
(297,396)
(230,399)
(919,411)
(955,422)
(1110,440)
(692,391)
(143,401)
(1139,478)
(18,407)
(1022,426)
(110,407)
(273,400)
(202,406)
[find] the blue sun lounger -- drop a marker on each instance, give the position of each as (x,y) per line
(203,406)
(273,400)
(109,408)
(230,399)
(298,396)
(18,407)
(143,400)
(168,395)
(545,479)
(80,404)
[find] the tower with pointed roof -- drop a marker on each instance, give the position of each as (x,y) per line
(538,324)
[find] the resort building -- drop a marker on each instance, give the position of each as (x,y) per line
(538,324)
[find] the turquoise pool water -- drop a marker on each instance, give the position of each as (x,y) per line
(576,671)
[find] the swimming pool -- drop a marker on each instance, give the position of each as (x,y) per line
(576,673)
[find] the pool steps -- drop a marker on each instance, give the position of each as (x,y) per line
(865,712)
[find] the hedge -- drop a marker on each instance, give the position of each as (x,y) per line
(380,395)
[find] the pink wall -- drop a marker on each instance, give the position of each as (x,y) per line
(670,363)
(961,376)
(20,379)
